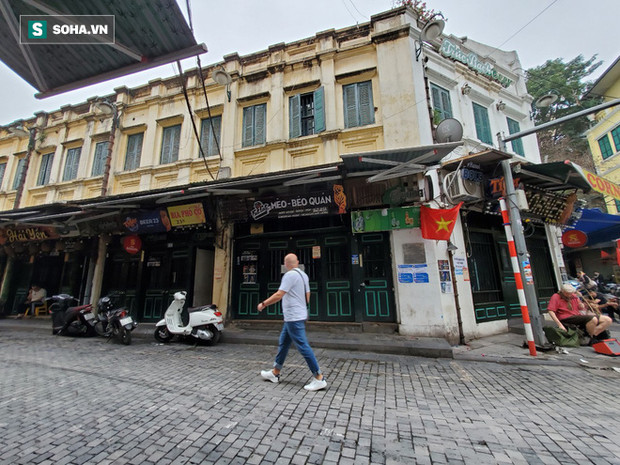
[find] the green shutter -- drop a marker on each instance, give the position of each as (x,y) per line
(366,106)
(483,126)
(605,147)
(166,147)
(615,135)
(319,110)
(260,114)
(350,106)
(72,164)
(214,136)
(294,120)
(45,170)
(446,104)
(517,144)
(248,125)
(101,152)
(18,172)
(176,142)
(441,101)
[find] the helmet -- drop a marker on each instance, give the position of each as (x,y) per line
(104,304)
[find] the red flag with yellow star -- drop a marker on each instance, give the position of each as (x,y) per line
(438,223)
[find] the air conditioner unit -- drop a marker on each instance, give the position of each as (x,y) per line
(458,189)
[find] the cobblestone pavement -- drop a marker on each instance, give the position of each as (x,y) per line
(87,401)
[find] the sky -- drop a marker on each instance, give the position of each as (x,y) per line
(537,29)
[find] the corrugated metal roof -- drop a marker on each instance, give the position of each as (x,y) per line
(148,33)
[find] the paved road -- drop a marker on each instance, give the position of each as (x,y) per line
(86,401)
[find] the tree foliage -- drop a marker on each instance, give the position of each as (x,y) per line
(567,80)
(423,12)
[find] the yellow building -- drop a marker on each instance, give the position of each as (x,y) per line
(604,135)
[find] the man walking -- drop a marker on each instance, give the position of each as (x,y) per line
(294,292)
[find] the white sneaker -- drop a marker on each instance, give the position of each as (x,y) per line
(316,385)
(269,376)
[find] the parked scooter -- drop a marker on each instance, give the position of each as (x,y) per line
(71,321)
(113,322)
(205,322)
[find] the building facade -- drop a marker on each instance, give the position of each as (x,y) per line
(307,138)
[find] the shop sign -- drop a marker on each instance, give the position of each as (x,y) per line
(27,234)
(574,238)
(306,204)
(472,61)
(602,185)
(132,244)
(185,215)
(385,219)
(148,222)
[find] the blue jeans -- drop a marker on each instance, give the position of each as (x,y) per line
(295,331)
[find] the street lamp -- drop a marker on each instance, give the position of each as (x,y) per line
(515,214)
(108,108)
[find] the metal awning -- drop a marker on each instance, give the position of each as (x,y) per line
(147,34)
(566,175)
(394,163)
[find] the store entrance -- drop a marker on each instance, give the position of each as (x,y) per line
(342,288)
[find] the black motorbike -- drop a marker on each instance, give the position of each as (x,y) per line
(70,320)
(114,322)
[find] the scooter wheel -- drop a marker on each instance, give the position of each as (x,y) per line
(125,336)
(162,334)
(216,336)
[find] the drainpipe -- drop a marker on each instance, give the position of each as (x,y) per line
(108,108)
(22,176)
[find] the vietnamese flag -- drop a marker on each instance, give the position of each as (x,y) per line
(438,223)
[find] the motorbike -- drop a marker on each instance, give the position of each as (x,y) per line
(205,322)
(114,322)
(68,320)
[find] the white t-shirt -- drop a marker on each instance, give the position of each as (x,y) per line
(294,306)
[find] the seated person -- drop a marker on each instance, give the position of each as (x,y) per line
(565,308)
(35,296)
(604,305)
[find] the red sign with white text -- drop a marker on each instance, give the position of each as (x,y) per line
(132,244)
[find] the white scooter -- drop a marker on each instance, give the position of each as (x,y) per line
(205,322)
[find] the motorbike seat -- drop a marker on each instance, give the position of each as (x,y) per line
(201,307)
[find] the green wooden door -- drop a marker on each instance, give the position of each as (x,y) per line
(375,284)
(166,272)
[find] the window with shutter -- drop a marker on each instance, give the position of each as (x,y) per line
(615,135)
(18,172)
(306,114)
(294,120)
(45,170)
(209,132)
(71,164)
(319,110)
(517,144)
(134,151)
(483,125)
(2,171)
(605,147)
(359,108)
(254,122)
(170,144)
(441,102)
(101,153)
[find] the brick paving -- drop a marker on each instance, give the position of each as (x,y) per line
(87,401)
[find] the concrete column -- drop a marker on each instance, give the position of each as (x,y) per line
(95,292)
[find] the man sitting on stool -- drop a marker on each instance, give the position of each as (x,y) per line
(35,297)
(565,309)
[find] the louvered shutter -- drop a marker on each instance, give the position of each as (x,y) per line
(134,150)
(2,171)
(483,127)
(294,120)
(248,125)
(260,114)
(445,104)
(101,152)
(18,172)
(214,136)
(366,106)
(517,144)
(72,164)
(436,99)
(176,142)
(166,146)
(46,169)
(350,106)
(319,110)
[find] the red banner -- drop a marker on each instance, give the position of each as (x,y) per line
(438,223)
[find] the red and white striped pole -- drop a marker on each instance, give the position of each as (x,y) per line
(529,334)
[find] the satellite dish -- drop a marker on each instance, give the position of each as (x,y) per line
(221,77)
(546,100)
(449,130)
(432,30)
